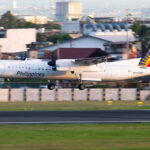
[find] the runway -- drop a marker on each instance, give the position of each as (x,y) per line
(75,117)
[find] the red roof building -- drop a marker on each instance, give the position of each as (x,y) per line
(74,53)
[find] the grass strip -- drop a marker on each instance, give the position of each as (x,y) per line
(68,106)
(75,137)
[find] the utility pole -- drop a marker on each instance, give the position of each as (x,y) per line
(52,3)
(58,50)
(57,57)
(0,51)
(127,44)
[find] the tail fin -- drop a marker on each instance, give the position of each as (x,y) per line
(145,61)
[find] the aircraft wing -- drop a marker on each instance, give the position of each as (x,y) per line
(92,60)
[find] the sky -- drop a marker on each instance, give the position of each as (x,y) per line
(88,5)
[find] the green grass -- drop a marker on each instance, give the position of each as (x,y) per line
(75,137)
(80,105)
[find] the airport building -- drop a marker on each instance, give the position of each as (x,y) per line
(68,10)
(15,40)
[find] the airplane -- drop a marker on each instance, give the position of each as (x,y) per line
(86,69)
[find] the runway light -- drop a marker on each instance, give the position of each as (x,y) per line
(109,103)
(140,103)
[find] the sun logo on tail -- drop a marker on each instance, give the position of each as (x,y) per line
(145,61)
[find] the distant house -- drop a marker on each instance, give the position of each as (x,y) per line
(74,53)
(34,47)
(112,43)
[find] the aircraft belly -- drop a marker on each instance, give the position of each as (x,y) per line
(91,76)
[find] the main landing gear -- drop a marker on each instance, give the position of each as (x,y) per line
(51,86)
(81,86)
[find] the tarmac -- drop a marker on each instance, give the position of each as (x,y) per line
(75,117)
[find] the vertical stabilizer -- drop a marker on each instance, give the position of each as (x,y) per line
(145,61)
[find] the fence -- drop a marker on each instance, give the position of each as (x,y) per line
(30,94)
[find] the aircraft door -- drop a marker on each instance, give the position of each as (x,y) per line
(106,72)
(121,72)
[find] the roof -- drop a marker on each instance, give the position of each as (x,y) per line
(115,36)
(74,53)
(70,40)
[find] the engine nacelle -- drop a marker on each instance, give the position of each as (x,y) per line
(52,63)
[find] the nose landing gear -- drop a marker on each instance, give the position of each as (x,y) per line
(81,86)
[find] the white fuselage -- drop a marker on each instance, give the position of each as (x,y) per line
(68,70)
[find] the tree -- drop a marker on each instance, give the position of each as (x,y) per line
(51,25)
(61,37)
(136,27)
(143,32)
(40,37)
(9,21)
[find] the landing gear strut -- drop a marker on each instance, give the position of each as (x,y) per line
(81,85)
(51,86)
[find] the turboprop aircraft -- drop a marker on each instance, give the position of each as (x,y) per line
(88,69)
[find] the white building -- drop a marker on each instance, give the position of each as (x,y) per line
(68,10)
(15,6)
(15,40)
(35,19)
(70,27)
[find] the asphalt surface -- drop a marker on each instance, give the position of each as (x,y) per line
(75,117)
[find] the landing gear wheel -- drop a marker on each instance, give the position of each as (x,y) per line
(51,86)
(81,87)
